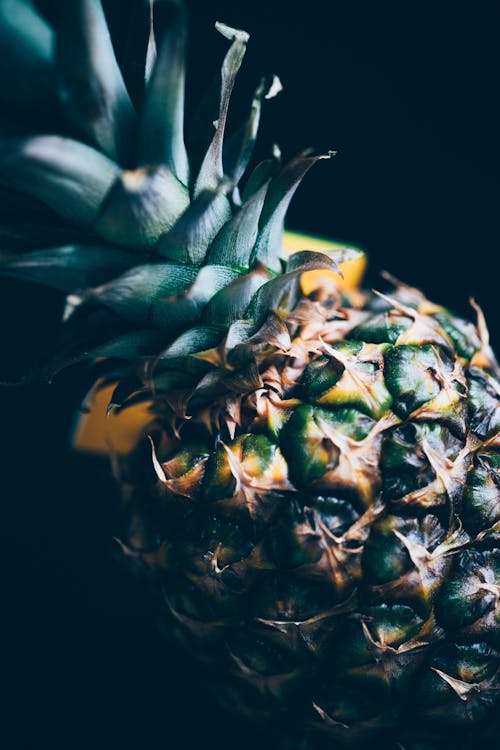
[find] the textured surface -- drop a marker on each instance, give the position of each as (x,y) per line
(327,537)
(321,510)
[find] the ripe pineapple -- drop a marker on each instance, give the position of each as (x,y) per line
(318,500)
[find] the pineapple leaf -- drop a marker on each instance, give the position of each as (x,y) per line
(235,241)
(133,294)
(211,171)
(308,260)
(162,125)
(229,304)
(282,292)
(92,89)
(261,174)
(127,346)
(130,27)
(68,176)
(191,236)
(69,268)
(124,390)
(281,190)
(238,148)
(238,333)
(27,50)
(130,346)
(142,206)
(193,341)
(162,294)
(186,307)
(200,130)
(244,339)
(23,237)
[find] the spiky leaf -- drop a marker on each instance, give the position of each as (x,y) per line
(67,175)
(92,89)
(71,267)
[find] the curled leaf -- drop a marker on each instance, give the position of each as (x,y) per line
(283,292)
(239,146)
(280,193)
(261,174)
(211,171)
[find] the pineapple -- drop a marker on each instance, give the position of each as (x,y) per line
(316,497)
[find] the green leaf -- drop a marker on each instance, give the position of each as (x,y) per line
(193,341)
(88,327)
(309,260)
(163,294)
(173,378)
(279,195)
(68,176)
(162,123)
(69,268)
(130,26)
(190,238)
(23,237)
(238,333)
(27,50)
(283,292)
(128,346)
(238,148)
(186,308)
(92,89)
(143,205)
(201,128)
(235,242)
(133,294)
(261,174)
(211,171)
(229,304)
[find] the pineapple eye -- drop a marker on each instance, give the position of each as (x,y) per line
(320,513)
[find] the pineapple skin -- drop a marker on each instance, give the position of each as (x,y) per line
(325,541)
(318,510)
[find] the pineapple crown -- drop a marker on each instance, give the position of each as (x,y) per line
(160,251)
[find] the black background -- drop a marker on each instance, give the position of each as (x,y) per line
(406,92)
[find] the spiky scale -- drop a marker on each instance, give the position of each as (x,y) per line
(320,497)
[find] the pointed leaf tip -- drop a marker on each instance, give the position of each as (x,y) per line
(238,148)
(281,190)
(231,33)
(162,127)
(27,49)
(275,87)
(211,170)
(92,90)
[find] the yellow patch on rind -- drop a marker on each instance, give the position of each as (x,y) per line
(95,432)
